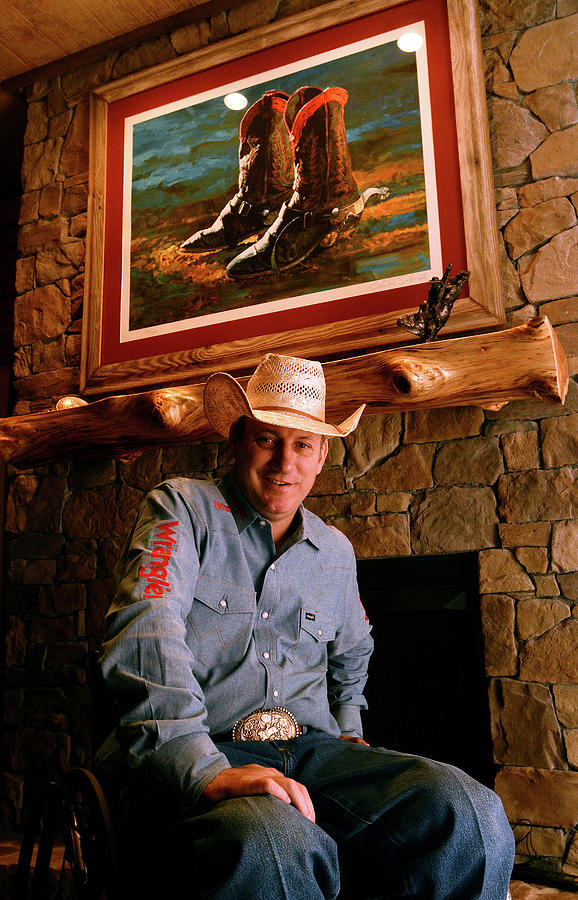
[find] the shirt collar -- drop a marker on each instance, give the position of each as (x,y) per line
(242,511)
(314,529)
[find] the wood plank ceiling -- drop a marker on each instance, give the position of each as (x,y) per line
(36,33)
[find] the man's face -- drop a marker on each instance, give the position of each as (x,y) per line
(276,468)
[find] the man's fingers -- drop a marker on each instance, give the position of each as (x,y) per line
(300,798)
(244,781)
(290,791)
(353,740)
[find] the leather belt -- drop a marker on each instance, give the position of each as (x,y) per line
(275,724)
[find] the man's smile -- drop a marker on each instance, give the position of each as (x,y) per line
(276,483)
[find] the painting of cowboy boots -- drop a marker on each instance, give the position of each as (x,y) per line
(265,177)
(326,204)
(311,145)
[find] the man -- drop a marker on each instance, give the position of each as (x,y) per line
(237,650)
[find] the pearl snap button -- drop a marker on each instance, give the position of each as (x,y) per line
(264,615)
(266,655)
(222,602)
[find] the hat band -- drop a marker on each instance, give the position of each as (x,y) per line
(288,411)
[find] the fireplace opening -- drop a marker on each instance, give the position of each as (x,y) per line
(427,690)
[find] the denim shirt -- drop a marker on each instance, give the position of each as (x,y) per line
(211,622)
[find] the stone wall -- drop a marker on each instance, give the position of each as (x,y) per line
(499,483)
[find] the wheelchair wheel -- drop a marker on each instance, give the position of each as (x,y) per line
(74,812)
(88,837)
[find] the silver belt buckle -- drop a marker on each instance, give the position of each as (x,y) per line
(276,724)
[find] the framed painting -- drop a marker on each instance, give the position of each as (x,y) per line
(294,189)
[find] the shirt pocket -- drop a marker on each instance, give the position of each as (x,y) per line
(220,622)
(316,629)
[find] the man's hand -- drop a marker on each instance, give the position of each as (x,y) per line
(352,739)
(244,781)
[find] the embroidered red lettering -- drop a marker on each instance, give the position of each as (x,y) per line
(153,590)
(220,505)
(168,545)
(166,530)
(153,572)
(163,558)
(156,574)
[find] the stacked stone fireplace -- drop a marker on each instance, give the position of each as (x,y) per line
(499,487)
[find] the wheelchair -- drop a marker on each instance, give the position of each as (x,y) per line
(73,810)
(71,849)
(68,849)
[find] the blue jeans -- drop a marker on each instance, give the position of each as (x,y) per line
(417,828)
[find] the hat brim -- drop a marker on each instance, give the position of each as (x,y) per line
(225,402)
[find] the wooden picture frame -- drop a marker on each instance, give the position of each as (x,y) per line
(325,330)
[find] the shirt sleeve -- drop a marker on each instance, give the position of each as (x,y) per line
(145,660)
(349,656)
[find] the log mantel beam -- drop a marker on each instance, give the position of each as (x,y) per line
(488,371)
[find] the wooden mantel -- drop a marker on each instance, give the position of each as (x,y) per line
(488,371)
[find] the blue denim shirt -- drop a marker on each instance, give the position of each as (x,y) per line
(210,622)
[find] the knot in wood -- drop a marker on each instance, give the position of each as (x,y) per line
(166,410)
(413,380)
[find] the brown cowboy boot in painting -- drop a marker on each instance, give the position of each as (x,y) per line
(265,177)
(326,204)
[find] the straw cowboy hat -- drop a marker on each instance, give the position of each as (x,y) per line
(284,390)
